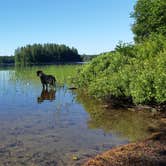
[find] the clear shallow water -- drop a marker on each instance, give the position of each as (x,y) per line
(50,127)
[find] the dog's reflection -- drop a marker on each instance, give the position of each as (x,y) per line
(46,95)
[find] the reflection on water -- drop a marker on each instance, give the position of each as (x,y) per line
(126,123)
(35,131)
(46,94)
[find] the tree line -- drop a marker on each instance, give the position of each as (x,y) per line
(46,53)
(86,58)
(7,60)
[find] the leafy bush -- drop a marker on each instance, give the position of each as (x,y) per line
(147,68)
(133,71)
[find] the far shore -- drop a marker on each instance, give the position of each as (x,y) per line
(38,64)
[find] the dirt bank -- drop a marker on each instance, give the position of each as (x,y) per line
(150,152)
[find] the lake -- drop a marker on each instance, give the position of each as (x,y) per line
(59,126)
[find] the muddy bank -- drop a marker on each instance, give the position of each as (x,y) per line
(150,152)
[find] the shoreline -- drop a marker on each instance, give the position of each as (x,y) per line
(149,152)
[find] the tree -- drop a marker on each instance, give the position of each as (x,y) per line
(150,17)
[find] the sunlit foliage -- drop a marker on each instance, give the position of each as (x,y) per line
(137,72)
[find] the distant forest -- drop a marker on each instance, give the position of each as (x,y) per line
(86,58)
(7,60)
(46,53)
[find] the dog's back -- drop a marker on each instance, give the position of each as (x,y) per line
(52,79)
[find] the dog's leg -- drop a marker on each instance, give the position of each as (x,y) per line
(47,86)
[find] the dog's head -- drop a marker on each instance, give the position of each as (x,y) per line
(39,73)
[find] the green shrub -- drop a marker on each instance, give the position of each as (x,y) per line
(147,71)
(137,72)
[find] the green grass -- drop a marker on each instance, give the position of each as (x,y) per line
(62,73)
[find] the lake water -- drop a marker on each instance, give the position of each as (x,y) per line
(55,127)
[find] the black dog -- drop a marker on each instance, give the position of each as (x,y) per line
(46,79)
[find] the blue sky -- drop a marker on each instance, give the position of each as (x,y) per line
(91,26)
